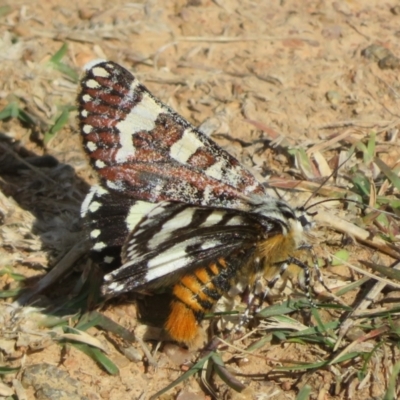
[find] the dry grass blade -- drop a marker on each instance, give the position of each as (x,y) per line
(358,233)
(20,390)
(362,305)
(225,375)
(370,335)
(82,337)
(391,273)
(370,274)
(227,39)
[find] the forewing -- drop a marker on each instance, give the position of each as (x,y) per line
(143,149)
(175,238)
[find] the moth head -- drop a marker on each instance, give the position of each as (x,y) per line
(305,218)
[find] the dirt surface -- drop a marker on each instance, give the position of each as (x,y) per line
(260,77)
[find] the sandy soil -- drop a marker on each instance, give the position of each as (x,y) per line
(260,77)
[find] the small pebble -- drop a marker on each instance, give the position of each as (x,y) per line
(375,52)
(389,62)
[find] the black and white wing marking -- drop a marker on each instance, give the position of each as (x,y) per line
(174,238)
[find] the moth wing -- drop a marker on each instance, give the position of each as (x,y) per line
(187,237)
(143,149)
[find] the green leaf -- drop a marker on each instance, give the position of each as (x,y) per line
(393,178)
(4,294)
(346,357)
(101,321)
(58,125)
(5,10)
(56,63)
(260,343)
(361,183)
(340,256)
(8,370)
(315,329)
(319,364)
(277,309)
(369,154)
(303,367)
(393,383)
(13,275)
(59,54)
(225,375)
(98,356)
(352,286)
(193,370)
(9,111)
(305,164)
(369,149)
(280,335)
(12,110)
(304,393)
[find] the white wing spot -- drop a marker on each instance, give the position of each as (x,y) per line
(169,261)
(92,84)
(84,113)
(91,146)
(250,189)
(211,244)
(117,185)
(136,213)
(213,219)
(127,150)
(186,146)
(86,129)
(149,219)
(221,168)
(88,200)
(100,191)
(100,164)
(95,233)
(94,206)
(235,221)
(108,259)
(86,98)
(132,255)
(157,210)
(99,246)
(101,72)
(233,175)
(141,118)
(215,171)
(114,287)
(167,230)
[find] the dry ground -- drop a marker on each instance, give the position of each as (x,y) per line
(261,77)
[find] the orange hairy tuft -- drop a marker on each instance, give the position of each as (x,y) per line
(181,324)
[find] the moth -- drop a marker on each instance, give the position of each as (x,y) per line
(172,208)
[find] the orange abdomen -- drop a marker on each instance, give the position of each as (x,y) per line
(193,296)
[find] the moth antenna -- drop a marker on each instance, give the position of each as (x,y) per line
(324,181)
(362,205)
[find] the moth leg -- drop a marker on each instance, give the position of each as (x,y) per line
(307,277)
(315,266)
(260,294)
(252,297)
(272,282)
